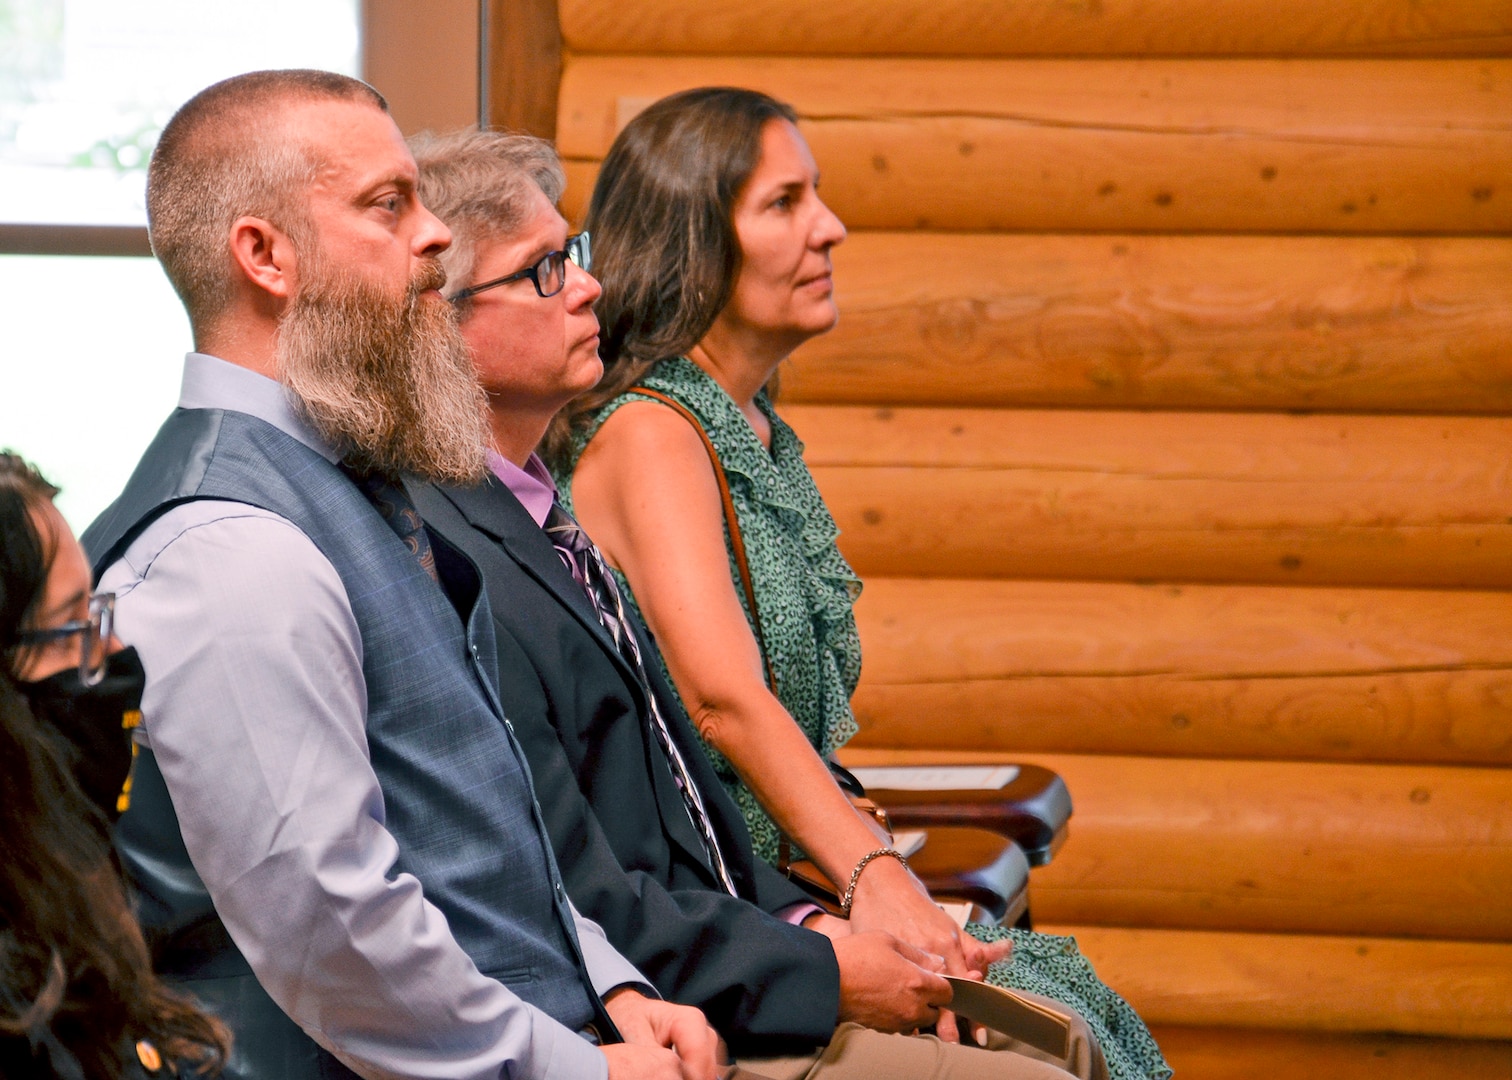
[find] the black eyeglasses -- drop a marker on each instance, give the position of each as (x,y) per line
(549,275)
(96,630)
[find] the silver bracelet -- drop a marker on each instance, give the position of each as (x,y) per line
(850,890)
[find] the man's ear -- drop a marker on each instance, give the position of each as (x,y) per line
(265,255)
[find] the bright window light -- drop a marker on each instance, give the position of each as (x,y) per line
(86,85)
(94,346)
(94,349)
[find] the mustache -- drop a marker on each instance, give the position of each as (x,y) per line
(429,275)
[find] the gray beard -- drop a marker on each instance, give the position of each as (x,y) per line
(388,382)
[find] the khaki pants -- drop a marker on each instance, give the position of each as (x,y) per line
(858,1053)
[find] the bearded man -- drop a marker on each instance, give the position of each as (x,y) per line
(332,826)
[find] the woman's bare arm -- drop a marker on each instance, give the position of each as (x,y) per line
(645,491)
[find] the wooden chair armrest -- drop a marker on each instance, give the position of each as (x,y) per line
(1033,810)
(974,865)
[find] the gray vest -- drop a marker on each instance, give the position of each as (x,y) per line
(455,782)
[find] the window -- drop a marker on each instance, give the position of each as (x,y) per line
(93,345)
(88,84)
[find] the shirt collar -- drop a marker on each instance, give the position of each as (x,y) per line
(213,383)
(532,485)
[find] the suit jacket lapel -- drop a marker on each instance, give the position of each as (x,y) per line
(493,510)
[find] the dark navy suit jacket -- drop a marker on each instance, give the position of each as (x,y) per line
(629,854)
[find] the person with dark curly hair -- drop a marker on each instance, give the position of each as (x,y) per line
(78,999)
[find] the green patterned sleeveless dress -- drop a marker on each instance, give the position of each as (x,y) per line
(805,591)
(804,587)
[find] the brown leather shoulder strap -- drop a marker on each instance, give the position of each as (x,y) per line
(737,542)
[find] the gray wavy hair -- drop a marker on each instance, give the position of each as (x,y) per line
(480,184)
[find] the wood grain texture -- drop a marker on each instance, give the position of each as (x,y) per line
(1306,983)
(1231,322)
(1197,671)
(1351,146)
(1273,498)
(524,66)
(992,28)
(1390,850)
(425,60)
(1243,1054)
(580,178)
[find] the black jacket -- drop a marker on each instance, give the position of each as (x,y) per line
(630,856)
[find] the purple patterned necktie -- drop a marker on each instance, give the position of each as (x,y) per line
(395,507)
(589,570)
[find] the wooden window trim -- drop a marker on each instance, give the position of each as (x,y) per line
(522,71)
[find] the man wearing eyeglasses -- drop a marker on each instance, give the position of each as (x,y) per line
(333,828)
(650,844)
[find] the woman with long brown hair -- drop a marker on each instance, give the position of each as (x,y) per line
(713,248)
(78,999)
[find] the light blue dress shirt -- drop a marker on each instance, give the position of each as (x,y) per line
(256,711)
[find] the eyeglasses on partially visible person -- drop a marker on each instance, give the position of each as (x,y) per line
(548,274)
(77,995)
(83,643)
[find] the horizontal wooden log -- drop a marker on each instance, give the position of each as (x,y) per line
(1378,146)
(1285,847)
(1306,983)
(1329,499)
(992,28)
(1230,322)
(1240,1054)
(1191,671)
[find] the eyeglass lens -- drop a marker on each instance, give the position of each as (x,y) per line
(551,273)
(580,251)
(96,637)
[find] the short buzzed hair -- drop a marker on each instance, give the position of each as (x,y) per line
(480,184)
(221,157)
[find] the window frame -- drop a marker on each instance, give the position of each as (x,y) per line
(377,19)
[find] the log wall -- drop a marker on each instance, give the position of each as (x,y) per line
(1328,323)
(1333,146)
(1076,28)
(1169,421)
